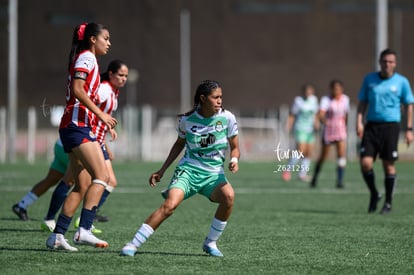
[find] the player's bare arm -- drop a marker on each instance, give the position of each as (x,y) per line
(174,152)
(362,106)
(234,154)
(409,129)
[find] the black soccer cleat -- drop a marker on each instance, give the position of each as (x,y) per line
(386,209)
(20,212)
(313,183)
(340,185)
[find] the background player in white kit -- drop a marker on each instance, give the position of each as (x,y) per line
(303,120)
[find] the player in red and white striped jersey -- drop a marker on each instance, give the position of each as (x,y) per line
(107,100)
(76,132)
(85,68)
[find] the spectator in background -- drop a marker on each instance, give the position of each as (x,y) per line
(382,94)
(333,114)
(302,119)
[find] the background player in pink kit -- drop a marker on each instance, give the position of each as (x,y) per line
(76,132)
(333,113)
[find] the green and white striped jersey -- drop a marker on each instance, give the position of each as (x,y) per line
(206,140)
(304,110)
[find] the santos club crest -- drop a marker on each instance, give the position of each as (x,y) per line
(219,126)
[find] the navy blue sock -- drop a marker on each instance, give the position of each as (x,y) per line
(58,197)
(389,187)
(62,224)
(86,218)
(103,198)
(340,174)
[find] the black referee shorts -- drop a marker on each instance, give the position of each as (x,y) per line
(380,139)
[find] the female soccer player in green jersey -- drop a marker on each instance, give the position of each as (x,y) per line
(303,121)
(205,132)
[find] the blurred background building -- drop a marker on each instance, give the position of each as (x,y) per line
(261,51)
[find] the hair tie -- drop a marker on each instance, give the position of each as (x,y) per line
(81,31)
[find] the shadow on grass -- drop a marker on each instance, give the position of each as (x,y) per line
(20,230)
(18,220)
(57,251)
(103,251)
(173,254)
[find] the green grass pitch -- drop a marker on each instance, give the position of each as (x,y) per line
(276,228)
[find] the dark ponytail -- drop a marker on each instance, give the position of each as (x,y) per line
(205,88)
(81,39)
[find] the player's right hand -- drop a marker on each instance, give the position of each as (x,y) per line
(109,121)
(360,130)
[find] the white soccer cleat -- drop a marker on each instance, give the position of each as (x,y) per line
(129,250)
(94,230)
(213,251)
(57,241)
(86,237)
(48,225)
(210,248)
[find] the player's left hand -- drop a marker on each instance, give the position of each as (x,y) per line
(409,137)
(114,134)
(233,167)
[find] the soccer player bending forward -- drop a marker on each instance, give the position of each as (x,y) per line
(206,131)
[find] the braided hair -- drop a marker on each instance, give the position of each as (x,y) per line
(205,88)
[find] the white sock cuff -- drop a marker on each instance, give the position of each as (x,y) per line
(218,225)
(145,227)
(341,162)
(109,188)
(101,182)
(142,235)
(28,199)
(306,166)
(32,195)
